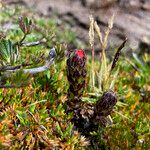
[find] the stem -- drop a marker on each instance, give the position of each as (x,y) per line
(49,62)
(93,67)
(34,43)
(5,68)
(39,69)
(12,86)
(23,38)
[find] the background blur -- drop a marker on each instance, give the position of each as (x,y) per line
(132,18)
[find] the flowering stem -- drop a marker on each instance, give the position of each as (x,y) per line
(23,38)
(93,68)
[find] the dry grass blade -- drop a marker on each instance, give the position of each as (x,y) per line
(115,60)
(133,65)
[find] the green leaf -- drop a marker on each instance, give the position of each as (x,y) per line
(22,117)
(58,108)
(20,78)
(48,74)
(112,83)
(8,53)
(68,131)
(59,129)
(32,108)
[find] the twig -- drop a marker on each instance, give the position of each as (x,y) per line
(33,117)
(20,42)
(5,68)
(49,62)
(37,102)
(12,86)
(34,43)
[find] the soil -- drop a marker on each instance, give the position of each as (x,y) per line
(132,19)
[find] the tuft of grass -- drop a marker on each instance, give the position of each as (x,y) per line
(105,75)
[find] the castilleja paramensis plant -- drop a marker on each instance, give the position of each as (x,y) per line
(76,73)
(85,115)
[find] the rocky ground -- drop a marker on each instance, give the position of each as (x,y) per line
(132,18)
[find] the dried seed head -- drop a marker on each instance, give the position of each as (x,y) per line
(91,31)
(110,22)
(97,28)
(117,54)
